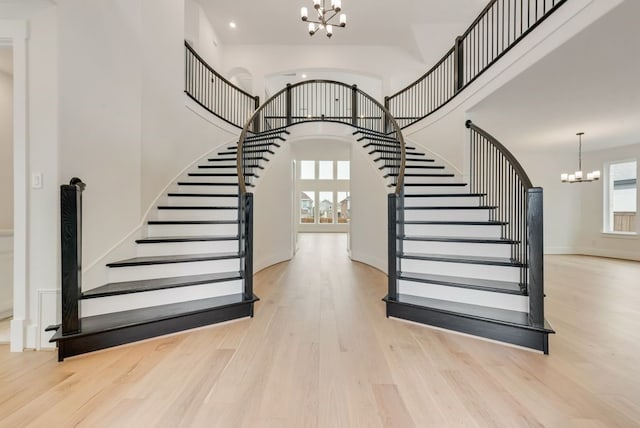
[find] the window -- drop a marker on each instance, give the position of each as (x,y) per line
(344,207)
(325,207)
(622,191)
(307,207)
(343,170)
(325,170)
(307,170)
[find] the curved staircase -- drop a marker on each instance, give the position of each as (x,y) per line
(188,268)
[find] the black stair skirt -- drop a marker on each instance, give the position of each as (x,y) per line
(505,287)
(108,330)
(163,260)
(476,260)
(491,323)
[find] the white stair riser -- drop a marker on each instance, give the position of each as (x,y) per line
(466,270)
(125,302)
(443,201)
(135,273)
(205,189)
(464,295)
(202,201)
(208,179)
(155,230)
(457,248)
(447,215)
(198,247)
(197,214)
(435,189)
(411,179)
(475,231)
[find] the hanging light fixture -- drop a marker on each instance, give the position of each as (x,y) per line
(578,176)
(325,15)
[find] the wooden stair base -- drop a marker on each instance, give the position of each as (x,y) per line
(108,330)
(496,324)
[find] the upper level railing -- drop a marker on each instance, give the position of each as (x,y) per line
(498,176)
(215,93)
(329,101)
(499,27)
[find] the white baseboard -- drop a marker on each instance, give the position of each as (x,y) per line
(614,254)
(561,250)
(370,260)
(263,263)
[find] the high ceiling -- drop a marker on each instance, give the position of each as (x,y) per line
(411,25)
(589,84)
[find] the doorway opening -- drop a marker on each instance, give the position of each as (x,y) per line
(6,192)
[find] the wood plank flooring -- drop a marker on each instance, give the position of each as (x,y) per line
(320,353)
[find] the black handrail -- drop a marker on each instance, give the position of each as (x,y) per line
(322,100)
(497,175)
(497,29)
(214,93)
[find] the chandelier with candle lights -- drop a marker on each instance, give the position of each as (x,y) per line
(325,16)
(578,176)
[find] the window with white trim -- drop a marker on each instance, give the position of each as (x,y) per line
(621,193)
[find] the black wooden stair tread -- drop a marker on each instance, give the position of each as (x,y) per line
(506,287)
(203,195)
(408,159)
(182,258)
(192,222)
(457,223)
(195,207)
(120,320)
(469,240)
(209,183)
(496,315)
(452,207)
(217,174)
(437,184)
(169,239)
(128,287)
(442,195)
(480,260)
(426,174)
(414,167)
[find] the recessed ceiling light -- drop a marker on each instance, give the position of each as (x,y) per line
(304,76)
(232,24)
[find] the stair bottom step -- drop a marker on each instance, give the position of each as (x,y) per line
(108,330)
(496,324)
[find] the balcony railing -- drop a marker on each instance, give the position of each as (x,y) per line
(498,28)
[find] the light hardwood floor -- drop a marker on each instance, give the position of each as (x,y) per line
(320,353)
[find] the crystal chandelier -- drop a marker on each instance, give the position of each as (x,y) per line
(325,15)
(578,177)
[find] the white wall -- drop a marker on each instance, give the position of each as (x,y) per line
(273,214)
(592,240)
(396,68)
(6,151)
(6,274)
(200,32)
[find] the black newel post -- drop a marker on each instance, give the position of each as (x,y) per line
(354,105)
(392,240)
(71,253)
(387,121)
(288,104)
(536,258)
(458,58)
(248,246)
(256,121)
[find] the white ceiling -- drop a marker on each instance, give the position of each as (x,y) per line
(6,60)
(590,84)
(417,26)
